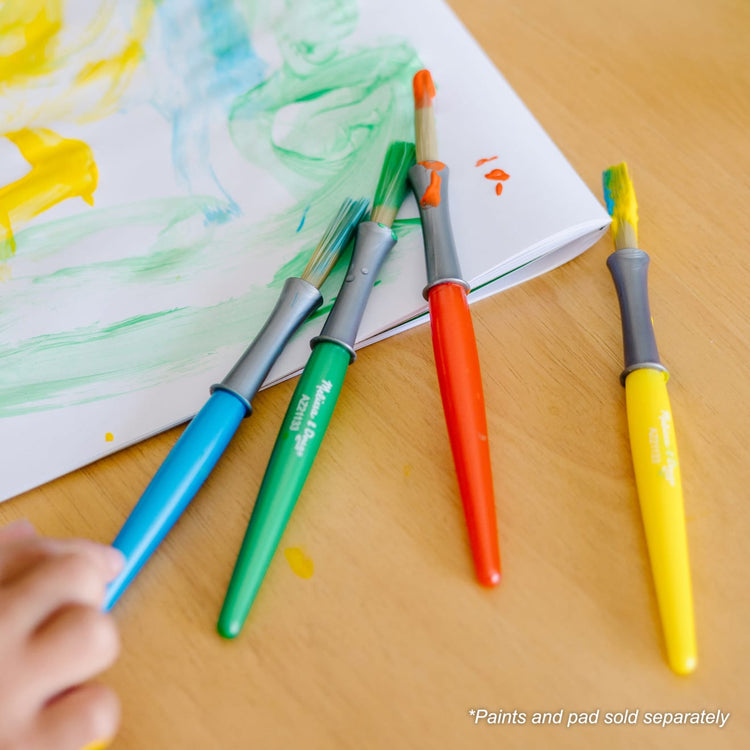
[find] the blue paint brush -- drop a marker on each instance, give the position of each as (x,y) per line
(196,452)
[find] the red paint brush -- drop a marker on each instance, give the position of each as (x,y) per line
(454,342)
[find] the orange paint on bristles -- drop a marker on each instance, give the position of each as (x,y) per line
(484,161)
(424,89)
(431,196)
(435,166)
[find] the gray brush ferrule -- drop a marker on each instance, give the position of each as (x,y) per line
(374,241)
(629,269)
(439,246)
(297,300)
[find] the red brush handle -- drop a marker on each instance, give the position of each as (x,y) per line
(460,380)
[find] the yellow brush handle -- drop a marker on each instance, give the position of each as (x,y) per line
(657,475)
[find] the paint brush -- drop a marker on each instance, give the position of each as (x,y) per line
(453,340)
(652,434)
(316,394)
(199,448)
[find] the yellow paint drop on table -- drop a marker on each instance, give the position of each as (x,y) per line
(299,562)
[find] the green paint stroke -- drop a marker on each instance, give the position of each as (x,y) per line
(320,124)
(57,368)
(95,362)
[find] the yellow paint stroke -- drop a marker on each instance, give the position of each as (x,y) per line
(117,71)
(61,168)
(299,562)
(31,46)
(109,437)
(28,38)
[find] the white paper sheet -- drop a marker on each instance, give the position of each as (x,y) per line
(225,135)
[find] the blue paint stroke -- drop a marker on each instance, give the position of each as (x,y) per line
(304,216)
(608,199)
(207,47)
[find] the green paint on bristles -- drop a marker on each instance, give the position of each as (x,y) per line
(334,240)
(393,184)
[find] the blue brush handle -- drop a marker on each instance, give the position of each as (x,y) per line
(173,487)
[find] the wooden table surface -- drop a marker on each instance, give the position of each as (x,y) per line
(390,643)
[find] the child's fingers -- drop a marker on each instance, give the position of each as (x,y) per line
(74,645)
(56,581)
(87,714)
(21,529)
(21,554)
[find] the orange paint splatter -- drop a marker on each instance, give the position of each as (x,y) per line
(424,89)
(484,161)
(499,188)
(299,562)
(431,196)
(497,174)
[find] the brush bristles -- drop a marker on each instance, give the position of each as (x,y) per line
(334,240)
(424,116)
(426,134)
(619,196)
(393,185)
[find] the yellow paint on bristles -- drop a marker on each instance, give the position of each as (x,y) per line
(619,196)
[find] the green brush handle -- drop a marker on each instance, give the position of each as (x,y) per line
(293,454)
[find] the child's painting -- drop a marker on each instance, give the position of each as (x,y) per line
(166,164)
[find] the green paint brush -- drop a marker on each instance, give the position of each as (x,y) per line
(315,397)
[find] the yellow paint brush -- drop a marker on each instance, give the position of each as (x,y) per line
(652,434)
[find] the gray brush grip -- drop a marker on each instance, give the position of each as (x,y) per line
(439,246)
(297,300)
(374,241)
(629,269)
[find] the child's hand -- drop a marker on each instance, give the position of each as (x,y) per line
(53,640)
